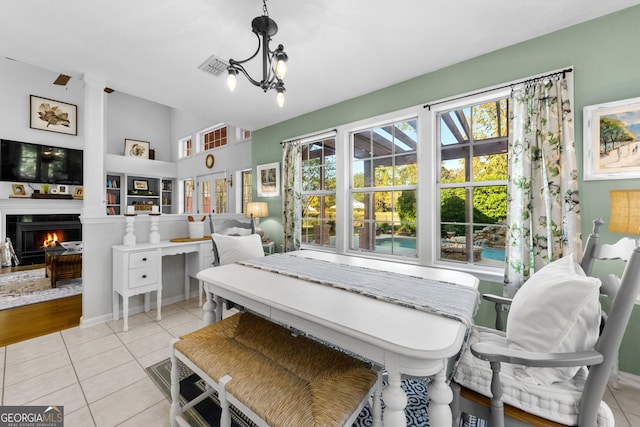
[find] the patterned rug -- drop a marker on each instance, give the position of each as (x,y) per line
(31,286)
(207,413)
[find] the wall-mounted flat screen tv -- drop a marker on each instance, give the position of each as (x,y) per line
(25,162)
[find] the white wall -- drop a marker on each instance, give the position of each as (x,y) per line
(18,82)
(130,117)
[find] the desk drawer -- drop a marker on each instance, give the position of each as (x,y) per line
(143,259)
(143,276)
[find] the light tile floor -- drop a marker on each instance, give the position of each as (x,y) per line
(98,373)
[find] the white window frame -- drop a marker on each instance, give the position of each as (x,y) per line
(181,147)
(201,134)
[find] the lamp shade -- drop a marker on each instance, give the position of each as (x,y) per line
(258,209)
(625,211)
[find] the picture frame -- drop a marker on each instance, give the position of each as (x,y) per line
(611,138)
(53,116)
(18,190)
(135,148)
(268,179)
(141,184)
(63,189)
(78,193)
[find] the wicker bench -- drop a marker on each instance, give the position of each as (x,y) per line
(271,376)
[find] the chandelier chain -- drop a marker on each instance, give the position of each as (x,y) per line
(264,8)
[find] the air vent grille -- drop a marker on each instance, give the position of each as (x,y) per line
(214,66)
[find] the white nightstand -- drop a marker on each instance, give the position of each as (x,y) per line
(268,246)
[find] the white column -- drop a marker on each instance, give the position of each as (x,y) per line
(94,121)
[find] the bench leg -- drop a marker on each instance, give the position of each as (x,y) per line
(175,390)
(225,416)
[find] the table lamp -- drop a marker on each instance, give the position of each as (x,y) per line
(625,211)
(257,210)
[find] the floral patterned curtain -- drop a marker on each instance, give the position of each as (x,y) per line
(292,196)
(543,200)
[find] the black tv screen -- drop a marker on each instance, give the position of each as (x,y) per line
(25,162)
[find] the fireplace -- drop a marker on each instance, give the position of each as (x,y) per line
(31,234)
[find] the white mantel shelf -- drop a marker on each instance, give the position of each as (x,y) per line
(26,206)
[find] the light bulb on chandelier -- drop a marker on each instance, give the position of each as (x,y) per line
(274,63)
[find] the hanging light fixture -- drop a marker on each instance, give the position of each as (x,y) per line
(274,63)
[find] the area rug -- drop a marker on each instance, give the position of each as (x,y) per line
(207,413)
(31,286)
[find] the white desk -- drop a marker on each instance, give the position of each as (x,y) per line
(404,340)
(138,270)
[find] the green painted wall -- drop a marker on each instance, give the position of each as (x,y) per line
(604,54)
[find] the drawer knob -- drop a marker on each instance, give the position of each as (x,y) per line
(144,259)
(144,276)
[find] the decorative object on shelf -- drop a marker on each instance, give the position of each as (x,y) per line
(18,190)
(152,154)
(154,235)
(129,238)
(268,179)
(257,210)
(54,116)
(54,191)
(78,193)
(135,148)
(141,184)
(63,189)
(611,134)
(45,188)
(209,161)
(272,74)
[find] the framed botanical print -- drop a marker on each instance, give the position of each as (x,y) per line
(54,116)
(611,147)
(135,148)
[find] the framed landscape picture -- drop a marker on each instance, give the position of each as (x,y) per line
(54,116)
(268,180)
(612,140)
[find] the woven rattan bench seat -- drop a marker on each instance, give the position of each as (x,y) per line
(286,380)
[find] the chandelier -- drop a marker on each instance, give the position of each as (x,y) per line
(274,63)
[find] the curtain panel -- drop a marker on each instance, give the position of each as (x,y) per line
(292,195)
(543,200)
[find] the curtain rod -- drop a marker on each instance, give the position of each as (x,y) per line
(313,135)
(511,85)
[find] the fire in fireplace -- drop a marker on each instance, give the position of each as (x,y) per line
(31,234)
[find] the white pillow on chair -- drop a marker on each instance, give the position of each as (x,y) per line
(237,248)
(556,310)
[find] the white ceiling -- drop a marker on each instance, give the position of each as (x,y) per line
(338,49)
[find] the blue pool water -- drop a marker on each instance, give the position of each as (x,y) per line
(409,243)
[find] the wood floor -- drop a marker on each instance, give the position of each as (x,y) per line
(33,320)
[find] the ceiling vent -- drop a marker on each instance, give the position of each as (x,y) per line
(214,66)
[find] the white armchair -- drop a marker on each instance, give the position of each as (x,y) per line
(536,372)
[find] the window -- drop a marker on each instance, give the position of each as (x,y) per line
(473,142)
(384,188)
(247,188)
(214,138)
(319,192)
(187,188)
(185,145)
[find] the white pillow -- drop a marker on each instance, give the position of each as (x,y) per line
(556,310)
(237,248)
(236,231)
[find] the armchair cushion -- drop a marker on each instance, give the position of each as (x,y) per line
(237,248)
(556,310)
(558,402)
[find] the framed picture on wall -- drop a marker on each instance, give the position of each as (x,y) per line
(611,137)
(268,180)
(53,116)
(135,148)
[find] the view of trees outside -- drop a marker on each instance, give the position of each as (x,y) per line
(473,176)
(319,193)
(385,179)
